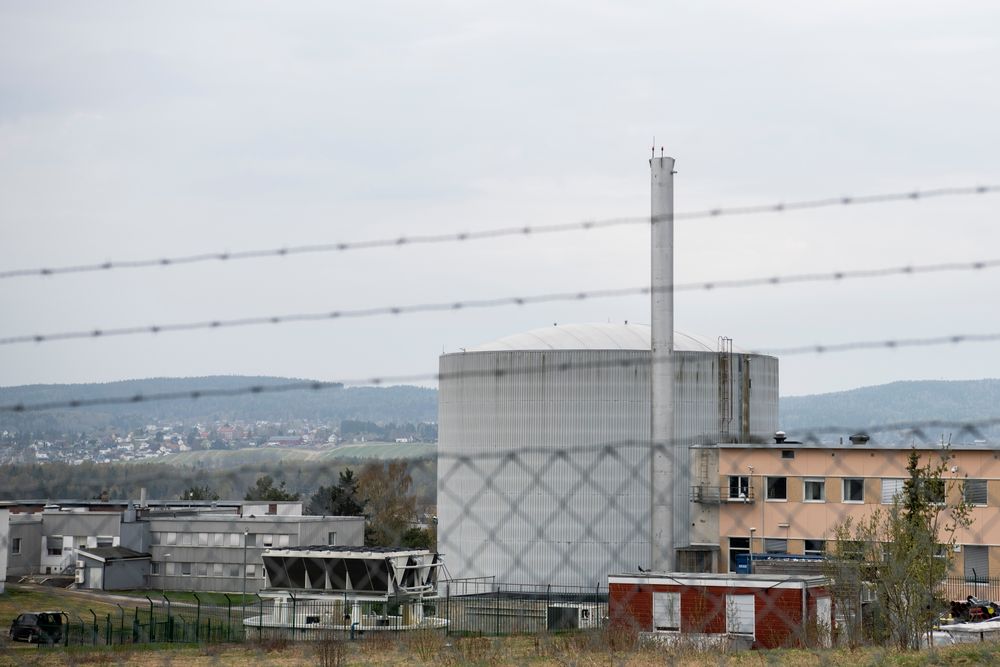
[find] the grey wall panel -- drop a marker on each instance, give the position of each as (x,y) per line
(509,507)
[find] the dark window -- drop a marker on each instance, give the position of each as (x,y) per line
(814,547)
(739,487)
(773,545)
(788,453)
(186,569)
(814,490)
(15,546)
(854,490)
(737,545)
(777,488)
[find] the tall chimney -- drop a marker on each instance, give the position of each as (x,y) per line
(662,372)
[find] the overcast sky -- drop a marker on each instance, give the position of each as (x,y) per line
(138,130)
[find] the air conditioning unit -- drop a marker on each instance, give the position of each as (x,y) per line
(80,565)
(79,576)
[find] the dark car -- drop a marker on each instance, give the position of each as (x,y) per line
(41,627)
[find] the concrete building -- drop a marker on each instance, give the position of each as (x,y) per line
(782,497)
(112,569)
(510,506)
(223,553)
(199,546)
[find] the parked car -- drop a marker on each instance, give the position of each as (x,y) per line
(38,627)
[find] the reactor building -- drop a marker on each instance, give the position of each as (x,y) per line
(564,452)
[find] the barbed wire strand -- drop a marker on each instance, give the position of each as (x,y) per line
(498,302)
(523,230)
(566,366)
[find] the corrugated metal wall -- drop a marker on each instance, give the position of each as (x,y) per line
(508,507)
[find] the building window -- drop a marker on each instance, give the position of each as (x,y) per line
(854,490)
(977,563)
(218,539)
(788,453)
(267,540)
(202,539)
(187,539)
(814,547)
(15,546)
(740,614)
(154,568)
(975,491)
(171,538)
(739,487)
(54,545)
(774,545)
(777,488)
(737,545)
(252,539)
(891,488)
(283,540)
(80,542)
(154,538)
(667,611)
(186,569)
(251,570)
(202,569)
(331,538)
(814,490)
(105,541)
(234,539)
(234,570)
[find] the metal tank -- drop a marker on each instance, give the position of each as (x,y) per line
(544,446)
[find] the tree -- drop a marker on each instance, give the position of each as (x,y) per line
(339,500)
(902,553)
(264,489)
(384,488)
(199,493)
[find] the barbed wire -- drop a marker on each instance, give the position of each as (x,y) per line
(523,230)
(564,366)
(498,302)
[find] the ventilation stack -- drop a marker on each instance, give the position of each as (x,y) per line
(663,457)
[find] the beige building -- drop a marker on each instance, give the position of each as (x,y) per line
(789,497)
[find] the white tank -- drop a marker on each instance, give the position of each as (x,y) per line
(544,439)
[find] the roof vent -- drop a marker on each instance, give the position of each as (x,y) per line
(859,439)
(779,437)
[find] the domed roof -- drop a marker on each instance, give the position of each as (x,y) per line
(595,337)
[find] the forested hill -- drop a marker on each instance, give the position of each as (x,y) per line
(903,402)
(377,404)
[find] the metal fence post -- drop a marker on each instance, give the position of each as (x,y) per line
(447,609)
(108,628)
(292,596)
(197,618)
(260,619)
(95,627)
(152,628)
(170,619)
(229,617)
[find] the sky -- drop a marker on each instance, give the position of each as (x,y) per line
(142,130)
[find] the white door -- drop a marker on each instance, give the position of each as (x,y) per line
(740,616)
(824,620)
(667,612)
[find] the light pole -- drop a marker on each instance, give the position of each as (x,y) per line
(750,555)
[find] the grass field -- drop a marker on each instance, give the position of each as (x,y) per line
(269,455)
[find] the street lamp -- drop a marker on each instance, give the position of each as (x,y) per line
(750,555)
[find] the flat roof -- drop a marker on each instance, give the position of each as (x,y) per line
(764,581)
(936,447)
(355,551)
(596,336)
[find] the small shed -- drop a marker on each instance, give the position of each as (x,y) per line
(112,568)
(753,610)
